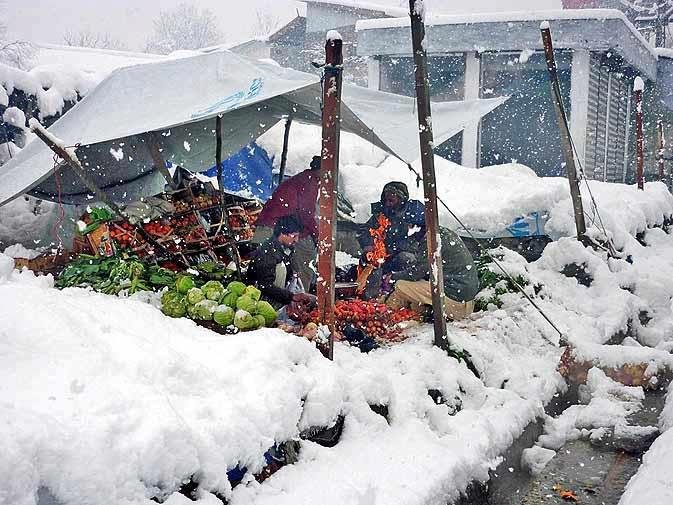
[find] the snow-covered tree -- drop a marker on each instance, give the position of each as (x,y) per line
(88,38)
(184,27)
(16,53)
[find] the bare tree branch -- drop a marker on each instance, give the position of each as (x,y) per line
(265,24)
(88,38)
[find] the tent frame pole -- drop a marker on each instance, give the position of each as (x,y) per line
(327,188)
(564,130)
(233,249)
(102,196)
(429,181)
(283,154)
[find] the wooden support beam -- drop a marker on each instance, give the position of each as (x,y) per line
(416,11)
(283,154)
(638,88)
(327,188)
(564,131)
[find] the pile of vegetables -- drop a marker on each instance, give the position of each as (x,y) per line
(236,306)
(376,319)
(114,275)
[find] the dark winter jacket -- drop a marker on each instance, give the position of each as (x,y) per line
(406,232)
(270,270)
(461,282)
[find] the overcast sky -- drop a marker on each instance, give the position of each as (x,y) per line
(131,20)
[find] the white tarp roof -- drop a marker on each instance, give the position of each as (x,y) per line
(179,100)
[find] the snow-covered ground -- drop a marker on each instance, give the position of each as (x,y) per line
(110,401)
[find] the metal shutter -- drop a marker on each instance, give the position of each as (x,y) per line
(607,119)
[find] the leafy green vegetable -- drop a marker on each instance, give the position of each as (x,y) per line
(246,303)
(236,287)
(213,290)
(173,304)
(253,292)
(243,320)
(229,299)
(194,296)
(260,322)
(203,310)
(223,315)
(184,284)
(266,310)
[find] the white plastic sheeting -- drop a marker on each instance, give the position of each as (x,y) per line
(179,99)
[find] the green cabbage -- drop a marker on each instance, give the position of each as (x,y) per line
(244,321)
(259,321)
(223,315)
(236,287)
(184,283)
(202,311)
(265,309)
(246,303)
(229,299)
(213,290)
(173,304)
(194,296)
(253,293)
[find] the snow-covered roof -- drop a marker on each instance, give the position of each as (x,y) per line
(110,122)
(89,59)
(591,29)
(355,4)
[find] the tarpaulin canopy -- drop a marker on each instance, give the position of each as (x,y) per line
(179,99)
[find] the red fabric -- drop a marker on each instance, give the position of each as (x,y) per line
(295,196)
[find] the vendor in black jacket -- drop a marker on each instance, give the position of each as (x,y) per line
(271,266)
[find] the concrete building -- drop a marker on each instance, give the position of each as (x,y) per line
(599,53)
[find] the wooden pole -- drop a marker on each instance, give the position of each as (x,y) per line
(661,146)
(154,146)
(428,165)
(283,154)
(327,188)
(564,129)
(638,87)
(101,195)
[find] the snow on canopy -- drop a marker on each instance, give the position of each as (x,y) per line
(179,99)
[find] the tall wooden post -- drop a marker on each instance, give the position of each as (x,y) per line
(638,88)
(416,12)
(564,130)
(283,154)
(327,188)
(661,147)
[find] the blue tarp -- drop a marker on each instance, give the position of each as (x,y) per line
(249,170)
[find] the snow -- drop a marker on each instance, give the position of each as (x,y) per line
(117,405)
(652,484)
(15,117)
(638,84)
(19,251)
(119,400)
(357,4)
(535,458)
(508,17)
(333,35)
(544,25)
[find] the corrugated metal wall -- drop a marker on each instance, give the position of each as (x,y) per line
(607,122)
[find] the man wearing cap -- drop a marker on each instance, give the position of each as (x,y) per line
(404,236)
(296,196)
(271,267)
